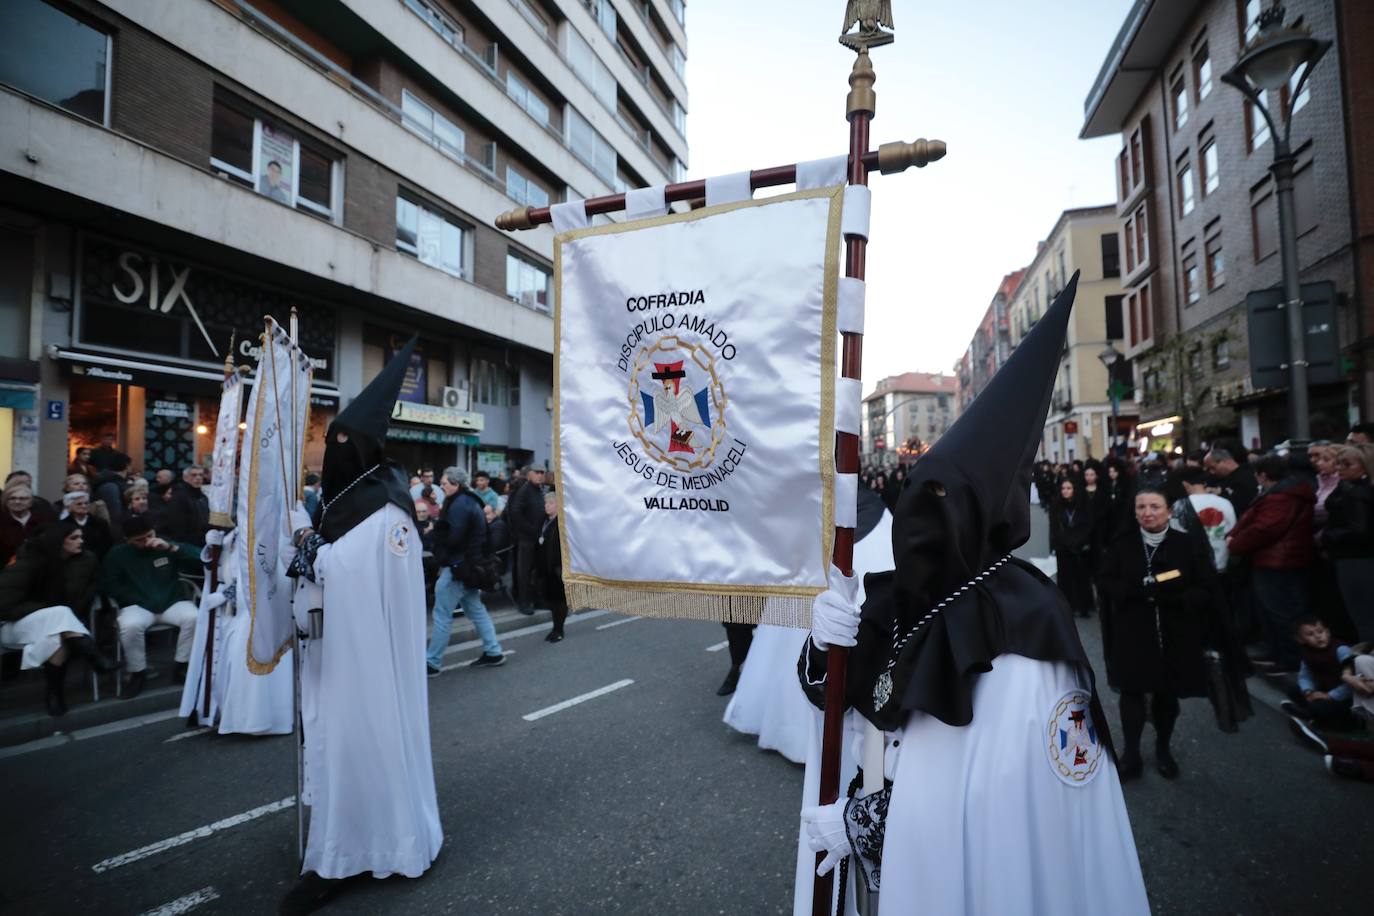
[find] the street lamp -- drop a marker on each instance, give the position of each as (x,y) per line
(1109,358)
(1268,63)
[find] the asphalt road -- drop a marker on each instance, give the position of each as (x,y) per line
(636,801)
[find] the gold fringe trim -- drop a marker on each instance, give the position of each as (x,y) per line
(791,611)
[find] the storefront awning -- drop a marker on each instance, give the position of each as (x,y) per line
(99,367)
(402,433)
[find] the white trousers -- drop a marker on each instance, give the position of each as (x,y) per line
(134,622)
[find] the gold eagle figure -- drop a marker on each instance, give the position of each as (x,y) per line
(869,14)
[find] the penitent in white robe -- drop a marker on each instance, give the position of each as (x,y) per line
(980,820)
(369,775)
(768,701)
(241,703)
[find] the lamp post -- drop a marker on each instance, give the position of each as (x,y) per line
(1109,358)
(1266,64)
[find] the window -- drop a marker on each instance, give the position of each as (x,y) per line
(528,283)
(526,98)
(1305,199)
(589,68)
(448,30)
(1137,164)
(261,155)
(1113,314)
(492,383)
(1139,231)
(1221,354)
(1195,361)
(441,133)
(679,11)
(679,60)
(55,57)
(1123,175)
(1138,315)
(1207,160)
(532,17)
(1202,71)
(1063,268)
(1256,127)
(524,191)
(1216,262)
(431,238)
(1304,96)
(679,118)
(1264,221)
(1186,197)
(604,14)
(1111,255)
(1191,290)
(1129,232)
(1178,93)
(589,146)
(1249,23)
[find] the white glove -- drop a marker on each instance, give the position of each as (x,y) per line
(299,518)
(825,833)
(217,599)
(214,538)
(835,612)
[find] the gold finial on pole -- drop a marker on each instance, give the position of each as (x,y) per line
(869,16)
(229,356)
(898,157)
(861,97)
(511,220)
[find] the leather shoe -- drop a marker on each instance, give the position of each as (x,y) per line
(134,685)
(1129,766)
(731,681)
(310,893)
(1165,763)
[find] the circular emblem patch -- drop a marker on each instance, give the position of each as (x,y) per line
(677,403)
(398,539)
(1075,753)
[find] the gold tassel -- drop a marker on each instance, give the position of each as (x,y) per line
(691,605)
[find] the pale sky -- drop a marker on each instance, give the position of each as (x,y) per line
(1001,81)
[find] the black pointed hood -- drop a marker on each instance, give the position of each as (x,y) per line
(965,506)
(357,479)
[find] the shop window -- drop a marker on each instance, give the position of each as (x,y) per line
(524,191)
(1221,354)
(526,98)
(1207,160)
(1186,193)
(430,237)
(56,57)
(1202,71)
(1216,262)
(260,154)
(1192,291)
(528,283)
(440,132)
(1111,255)
(1178,94)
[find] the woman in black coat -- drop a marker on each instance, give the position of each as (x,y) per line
(1163,590)
(1348,536)
(1071,537)
(547,573)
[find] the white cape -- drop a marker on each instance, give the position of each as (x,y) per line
(768,701)
(240,702)
(369,775)
(979,821)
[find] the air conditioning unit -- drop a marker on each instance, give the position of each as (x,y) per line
(454,398)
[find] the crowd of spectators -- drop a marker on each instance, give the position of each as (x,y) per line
(1288,540)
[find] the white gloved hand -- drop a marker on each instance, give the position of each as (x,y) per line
(216,599)
(835,612)
(214,538)
(825,833)
(299,518)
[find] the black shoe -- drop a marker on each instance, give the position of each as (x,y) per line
(1293,710)
(554,636)
(525,609)
(309,894)
(179,672)
(488,661)
(432,672)
(1344,766)
(731,681)
(1165,762)
(55,696)
(1307,735)
(85,647)
(1129,766)
(134,685)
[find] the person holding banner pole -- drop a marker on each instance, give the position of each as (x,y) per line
(369,774)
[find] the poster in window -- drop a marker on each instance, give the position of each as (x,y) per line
(276,165)
(415,386)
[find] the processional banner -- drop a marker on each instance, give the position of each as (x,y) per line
(694,381)
(220,493)
(269,486)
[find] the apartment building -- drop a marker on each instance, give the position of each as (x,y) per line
(1199,219)
(1079,423)
(911,409)
(173,170)
(991,343)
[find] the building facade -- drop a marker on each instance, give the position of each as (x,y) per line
(904,415)
(991,343)
(1200,222)
(174,170)
(1079,423)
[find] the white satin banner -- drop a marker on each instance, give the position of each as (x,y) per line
(220,493)
(269,485)
(694,384)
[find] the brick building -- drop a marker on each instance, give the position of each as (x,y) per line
(991,343)
(1199,219)
(171,170)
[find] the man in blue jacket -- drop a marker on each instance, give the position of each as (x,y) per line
(459,538)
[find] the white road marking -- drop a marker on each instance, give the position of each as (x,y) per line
(559,707)
(718,646)
(616,623)
(184,904)
(198,833)
(188,734)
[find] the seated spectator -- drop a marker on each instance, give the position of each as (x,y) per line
(76,482)
(135,502)
(40,505)
(1275,533)
(98,538)
(41,592)
(142,576)
(1322,695)
(20,519)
